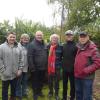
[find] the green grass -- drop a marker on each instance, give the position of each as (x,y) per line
(0,90)
(45,92)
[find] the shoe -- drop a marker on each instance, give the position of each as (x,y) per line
(25,95)
(64,99)
(41,94)
(57,97)
(72,99)
(18,98)
(50,94)
(35,97)
(12,98)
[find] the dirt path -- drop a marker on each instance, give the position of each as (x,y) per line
(96,87)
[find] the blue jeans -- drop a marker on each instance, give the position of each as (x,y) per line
(5,86)
(83,89)
(21,89)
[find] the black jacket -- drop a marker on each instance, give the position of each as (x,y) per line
(37,55)
(69,53)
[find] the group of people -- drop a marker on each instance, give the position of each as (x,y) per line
(78,62)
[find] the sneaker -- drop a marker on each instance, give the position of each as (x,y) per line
(18,98)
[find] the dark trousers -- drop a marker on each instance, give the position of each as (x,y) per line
(70,76)
(5,86)
(53,81)
(37,78)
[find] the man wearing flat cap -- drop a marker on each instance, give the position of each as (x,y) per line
(87,61)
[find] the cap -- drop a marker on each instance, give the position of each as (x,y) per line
(83,33)
(69,32)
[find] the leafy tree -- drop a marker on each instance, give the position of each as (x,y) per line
(4,28)
(81,15)
(79,12)
(83,12)
(21,26)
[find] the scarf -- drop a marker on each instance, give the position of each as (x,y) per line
(51,60)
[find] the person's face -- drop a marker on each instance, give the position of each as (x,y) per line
(69,37)
(25,40)
(39,36)
(83,39)
(54,40)
(11,38)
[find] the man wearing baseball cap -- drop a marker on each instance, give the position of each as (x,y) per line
(69,52)
(87,61)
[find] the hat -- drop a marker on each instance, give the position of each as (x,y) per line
(69,32)
(83,33)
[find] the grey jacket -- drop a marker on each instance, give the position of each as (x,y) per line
(10,61)
(24,57)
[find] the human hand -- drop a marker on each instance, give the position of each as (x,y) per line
(19,72)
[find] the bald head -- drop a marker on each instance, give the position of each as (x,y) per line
(39,35)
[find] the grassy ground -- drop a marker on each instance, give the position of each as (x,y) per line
(45,92)
(0,90)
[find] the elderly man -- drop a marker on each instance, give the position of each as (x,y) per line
(87,61)
(69,53)
(37,59)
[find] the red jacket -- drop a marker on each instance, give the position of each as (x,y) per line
(87,60)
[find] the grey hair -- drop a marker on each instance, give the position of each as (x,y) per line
(25,35)
(55,35)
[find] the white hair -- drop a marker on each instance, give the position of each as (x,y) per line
(55,35)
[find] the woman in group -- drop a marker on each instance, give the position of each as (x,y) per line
(54,65)
(21,89)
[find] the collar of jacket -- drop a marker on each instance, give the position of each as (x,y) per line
(69,42)
(24,44)
(83,46)
(39,42)
(15,43)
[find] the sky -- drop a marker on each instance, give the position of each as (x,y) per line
(36,10)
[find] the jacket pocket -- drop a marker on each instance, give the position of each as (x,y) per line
(7,72)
